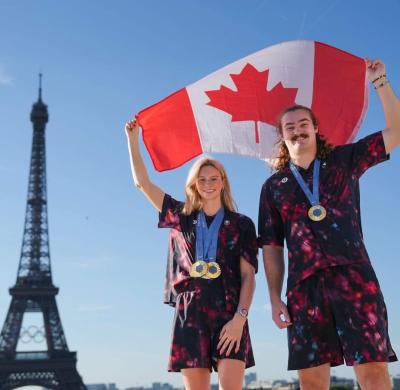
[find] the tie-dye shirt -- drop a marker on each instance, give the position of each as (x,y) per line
(236,238)
(336,240)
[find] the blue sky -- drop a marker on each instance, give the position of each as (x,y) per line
(102,62)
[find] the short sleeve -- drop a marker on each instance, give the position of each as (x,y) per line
(169,217)
(270,225)
(365,153)
(248,241)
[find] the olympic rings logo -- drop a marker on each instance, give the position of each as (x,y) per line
(32,333)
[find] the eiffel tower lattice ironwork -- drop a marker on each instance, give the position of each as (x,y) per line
(34,291)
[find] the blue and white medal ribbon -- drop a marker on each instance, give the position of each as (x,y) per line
(206,247)
(316,212)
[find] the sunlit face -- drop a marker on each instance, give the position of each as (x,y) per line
(298,131)
(209,183)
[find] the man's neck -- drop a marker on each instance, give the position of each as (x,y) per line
(304,159)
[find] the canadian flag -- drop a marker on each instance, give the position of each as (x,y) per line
(234,109)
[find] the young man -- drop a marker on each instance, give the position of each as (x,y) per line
(335,309)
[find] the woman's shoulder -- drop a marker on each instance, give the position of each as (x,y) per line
(171,203)
(240,219)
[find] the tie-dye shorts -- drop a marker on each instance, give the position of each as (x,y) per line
(200,315)
(338,314)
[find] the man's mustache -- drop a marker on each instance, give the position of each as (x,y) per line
(297,136)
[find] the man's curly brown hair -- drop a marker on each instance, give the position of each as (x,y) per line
(283,157)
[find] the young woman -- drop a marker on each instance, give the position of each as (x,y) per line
(211,265)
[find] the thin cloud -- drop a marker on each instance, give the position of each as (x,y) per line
(271,346)
(323,14)
(308,25)
(266,4)
(261,308)
(94,263)
(94,308)
(5,79)
(303,22)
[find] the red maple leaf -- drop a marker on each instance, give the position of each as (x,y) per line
(252,101)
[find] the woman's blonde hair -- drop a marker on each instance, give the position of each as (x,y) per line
(193,200)
(283,157)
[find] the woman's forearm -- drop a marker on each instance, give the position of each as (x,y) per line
(247,291)
(138,168)
(139,171)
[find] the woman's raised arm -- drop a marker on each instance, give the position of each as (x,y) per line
(139,172)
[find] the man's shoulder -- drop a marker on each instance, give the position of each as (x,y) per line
(276,177)
(339,154)
(366,139)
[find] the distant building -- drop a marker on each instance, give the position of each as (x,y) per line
(335,381)
(136,388)
(282,384)
(259,385)
(102,386)
(161,386)
(154,386)
(250,377)
(396,382)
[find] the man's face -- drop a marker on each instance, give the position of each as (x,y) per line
(298,131)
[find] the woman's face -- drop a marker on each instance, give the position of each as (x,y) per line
(209,183)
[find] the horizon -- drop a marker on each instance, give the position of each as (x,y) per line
(104,62)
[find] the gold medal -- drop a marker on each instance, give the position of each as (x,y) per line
(213,270)
(317,213)
(198,269)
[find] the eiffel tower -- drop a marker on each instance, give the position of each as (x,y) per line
(34,292)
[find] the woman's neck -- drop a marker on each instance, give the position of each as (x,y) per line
(211,207)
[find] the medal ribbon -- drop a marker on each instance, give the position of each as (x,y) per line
(313,197)
(207,237)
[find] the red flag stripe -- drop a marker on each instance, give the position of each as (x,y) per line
(170,132)
(331,94)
